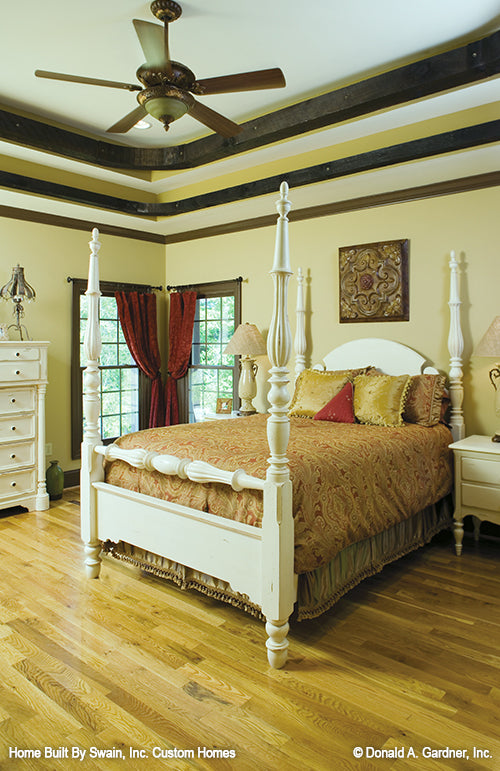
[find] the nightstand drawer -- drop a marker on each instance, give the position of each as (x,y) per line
(481,470)
(17,482)
(17,400)
(17,371)
(17,427)
(475,496)
(15,455)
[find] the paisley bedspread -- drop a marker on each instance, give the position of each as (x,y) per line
(350,481)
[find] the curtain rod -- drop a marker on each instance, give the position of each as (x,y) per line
(145,287)
(180,287)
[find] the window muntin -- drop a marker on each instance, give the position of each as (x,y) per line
(119,387)
(211,374)
(124,389)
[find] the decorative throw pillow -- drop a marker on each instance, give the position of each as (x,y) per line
(379,399)
(445,407)
(424,400)
(314,389)
(339,409)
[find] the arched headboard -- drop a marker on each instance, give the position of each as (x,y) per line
(388,356)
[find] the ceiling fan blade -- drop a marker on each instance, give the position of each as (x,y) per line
(154,42)
(213,120)
(129,120)
(88,81)
(243,81)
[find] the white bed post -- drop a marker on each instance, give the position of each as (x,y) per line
(278,587)
(92,468)
(455,347)
(300,342)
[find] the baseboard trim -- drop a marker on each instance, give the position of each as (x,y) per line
(72,478)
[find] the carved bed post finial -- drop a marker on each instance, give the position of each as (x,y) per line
(455,347)
(278,589)
(279,347)
(92,346)
(300,330)
(91,467)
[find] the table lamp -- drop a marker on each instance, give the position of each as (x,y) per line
(18,290)
(247,342)
(490,346)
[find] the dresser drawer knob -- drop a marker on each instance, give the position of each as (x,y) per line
(13,484)
(18,354)
(12,428)
(18,371)
(12,455)
(13,400)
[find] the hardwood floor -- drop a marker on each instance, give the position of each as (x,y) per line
(406,666)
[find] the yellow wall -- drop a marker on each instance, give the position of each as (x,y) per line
(468,223)
(50,254)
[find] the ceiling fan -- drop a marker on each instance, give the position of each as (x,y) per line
(168,86)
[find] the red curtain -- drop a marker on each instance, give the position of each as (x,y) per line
(182,310)
(137,314)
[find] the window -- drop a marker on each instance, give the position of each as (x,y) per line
(211,375)
(125,390)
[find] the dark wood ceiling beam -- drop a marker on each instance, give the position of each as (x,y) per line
(432,75)
(417,149)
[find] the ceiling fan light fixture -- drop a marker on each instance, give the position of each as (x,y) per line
(166,104)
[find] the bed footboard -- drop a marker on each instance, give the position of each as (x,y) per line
(257,562)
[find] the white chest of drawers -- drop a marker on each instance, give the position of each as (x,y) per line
(477,483)
(23,383)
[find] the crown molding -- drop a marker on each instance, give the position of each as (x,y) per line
(405,152)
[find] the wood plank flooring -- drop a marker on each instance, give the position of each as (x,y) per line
(129,672)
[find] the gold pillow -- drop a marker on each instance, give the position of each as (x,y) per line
(379,400)
(314,389)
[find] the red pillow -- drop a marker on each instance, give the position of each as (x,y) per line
(339,409)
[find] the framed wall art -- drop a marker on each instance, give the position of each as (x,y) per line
(373,281)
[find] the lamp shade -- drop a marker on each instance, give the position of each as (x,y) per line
(489,345)
(17,289)
(246,341)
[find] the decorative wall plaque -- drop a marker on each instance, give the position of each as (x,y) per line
(374,282)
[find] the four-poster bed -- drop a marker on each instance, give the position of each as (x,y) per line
(270,533)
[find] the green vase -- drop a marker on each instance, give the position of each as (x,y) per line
(55,480)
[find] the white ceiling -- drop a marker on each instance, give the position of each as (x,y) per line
(320,45)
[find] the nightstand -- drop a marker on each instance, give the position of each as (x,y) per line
(477,483)
(220,416)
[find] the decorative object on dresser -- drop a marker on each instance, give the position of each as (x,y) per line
(18,290)
(490,346)
(477,484)
(373,282)
(247,342)
(23,383)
